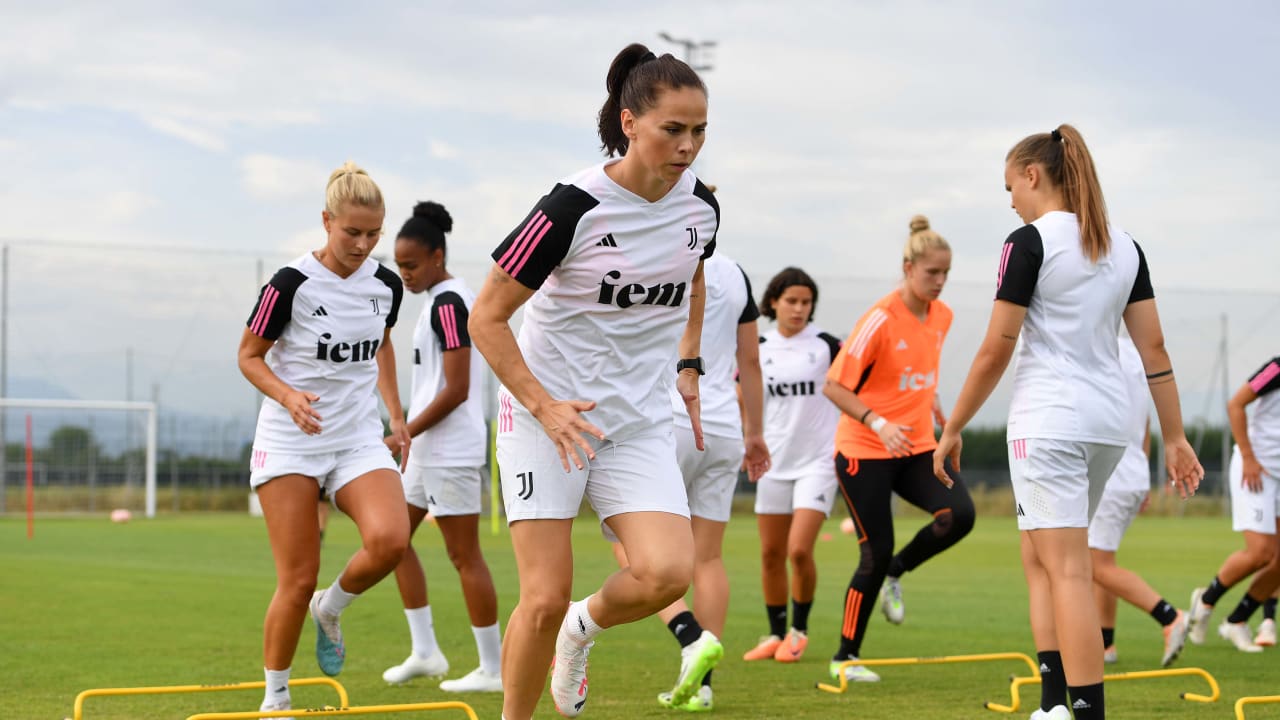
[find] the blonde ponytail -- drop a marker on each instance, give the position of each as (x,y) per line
(350,184)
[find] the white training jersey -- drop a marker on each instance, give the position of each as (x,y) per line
(327,330)
(459,438)
(1264,425)
(611,273)
(729,304)
(1134,471)
(1067,375)
(799,421)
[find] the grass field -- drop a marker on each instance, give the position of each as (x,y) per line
(180,599)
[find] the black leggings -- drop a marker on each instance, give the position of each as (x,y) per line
(867,486)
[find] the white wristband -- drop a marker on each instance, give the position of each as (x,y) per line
(877,424)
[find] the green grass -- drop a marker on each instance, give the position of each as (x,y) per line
(180,600)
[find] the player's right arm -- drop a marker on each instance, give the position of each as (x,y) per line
(253,365)
(1250,391)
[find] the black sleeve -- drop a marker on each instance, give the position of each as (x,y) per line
(542,240)
(1142,281)
(1020,266)
(392,281)
(449,321)
(1267,379)
(833,345)
(704,192)
(751,311)
(275,304)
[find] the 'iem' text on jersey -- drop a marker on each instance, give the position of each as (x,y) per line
(612,274)
(799,420)
(459,439)
(327,331)
(1068,378)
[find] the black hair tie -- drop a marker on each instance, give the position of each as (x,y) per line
(647,57)
(1057,136)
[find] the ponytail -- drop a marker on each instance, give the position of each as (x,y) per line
(1069,166)
(635,78)
(351,184)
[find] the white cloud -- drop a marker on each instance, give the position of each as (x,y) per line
(199,137)
(269,177)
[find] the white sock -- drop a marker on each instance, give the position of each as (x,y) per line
(489,647)
(277,685)
(335,599)
(422,631)
(581,627)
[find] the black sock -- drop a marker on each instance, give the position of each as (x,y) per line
(1053,681)
(1164,613)
(1269,609)
(777,619)
(1214,592)
(1244,610)
(1108,637)
(896,568)
(1088,702)
(686,628)
(706,679)
(800,615)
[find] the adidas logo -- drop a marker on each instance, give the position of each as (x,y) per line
(822,498)
(607,241)
(902,345)
(417,356)
(1020,513)
(320,312)
(1080,704)
(1044,668)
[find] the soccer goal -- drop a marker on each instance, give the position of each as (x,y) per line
(78,455)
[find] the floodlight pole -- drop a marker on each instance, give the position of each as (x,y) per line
(692,49)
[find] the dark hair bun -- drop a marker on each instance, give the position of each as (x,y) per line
(434,213)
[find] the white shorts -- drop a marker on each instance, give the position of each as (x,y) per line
(1057,483)
(1116,510)
(444,491)
(1253,511)
(815,490)
(638,474)
(710,475)
(331,470)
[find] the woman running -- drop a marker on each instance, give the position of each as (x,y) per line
(1254,477)
(609,263)
(445,474)
(795,496)
(326,319)
(1122,498)
(1066,279)
(886,387)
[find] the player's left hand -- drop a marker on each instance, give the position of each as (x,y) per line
(1185,471)
(755,458)
(398,442)
(687,385)
(948,448)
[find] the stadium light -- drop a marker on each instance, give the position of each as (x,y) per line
(696,52)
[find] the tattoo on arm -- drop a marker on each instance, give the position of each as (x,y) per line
(1009,337)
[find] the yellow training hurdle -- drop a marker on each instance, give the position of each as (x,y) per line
(939,660)
(322,712)
(1254,700)
(343,700)
(1016,684)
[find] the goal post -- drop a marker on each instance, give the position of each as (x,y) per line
(52,416)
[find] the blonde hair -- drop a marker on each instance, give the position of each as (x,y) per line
(922,240)
(1070,167)
(351,184)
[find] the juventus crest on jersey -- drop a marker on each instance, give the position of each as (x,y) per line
(612,274)
(327,330)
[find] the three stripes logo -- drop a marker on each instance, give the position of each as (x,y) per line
(526,485)
(608,241)
(320,312)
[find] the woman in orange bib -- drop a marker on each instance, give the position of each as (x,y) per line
(885,384)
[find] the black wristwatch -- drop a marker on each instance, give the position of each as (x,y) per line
(691,364)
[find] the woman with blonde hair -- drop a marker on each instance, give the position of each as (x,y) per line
(318,346)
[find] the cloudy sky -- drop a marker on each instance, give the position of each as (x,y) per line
(159,155)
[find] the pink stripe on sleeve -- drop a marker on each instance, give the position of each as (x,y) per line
(1004,264)
(531,246)
(449,321)
(1268,374)
(521,240)
(269,296)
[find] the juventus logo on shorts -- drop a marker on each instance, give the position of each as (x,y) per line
(526,485)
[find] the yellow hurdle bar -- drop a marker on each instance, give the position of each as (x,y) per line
(986,657)
(1016,684)
(343,700)
(1254,700)
(325,711)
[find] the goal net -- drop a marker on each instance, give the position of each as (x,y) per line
(81,456)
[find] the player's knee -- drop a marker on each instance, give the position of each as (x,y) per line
(386,545)
(773,557)
(800,556)
(874,557)
(544,609)
(953,522)
(464,557)
(297,587)
(664,578)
